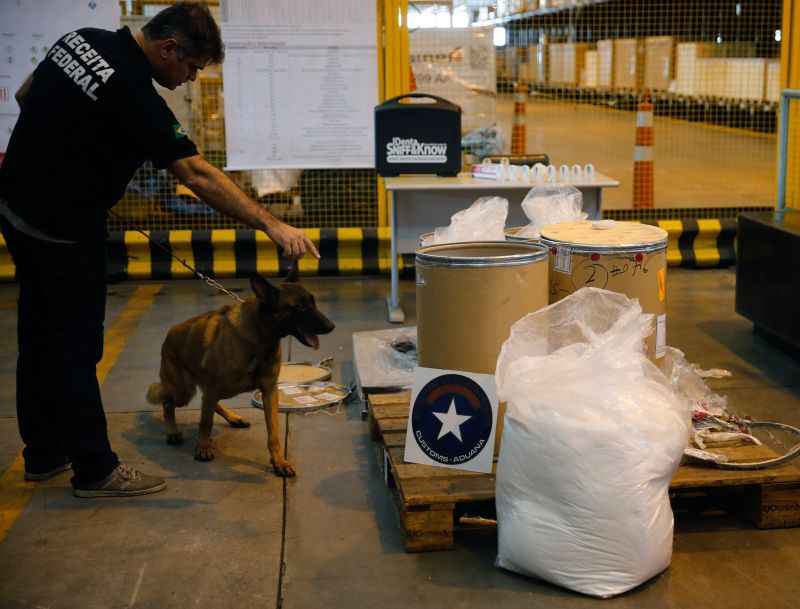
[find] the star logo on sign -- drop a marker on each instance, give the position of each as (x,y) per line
(451,421)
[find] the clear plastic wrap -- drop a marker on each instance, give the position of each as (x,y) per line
(545,205)
(483,142)
(484,220)
(593,434)
(386,358)
(687,382)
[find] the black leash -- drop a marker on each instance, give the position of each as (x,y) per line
(208,280)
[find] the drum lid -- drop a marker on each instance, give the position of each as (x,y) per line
(480,254)
(605,236)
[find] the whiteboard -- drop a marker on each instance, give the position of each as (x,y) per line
(300,80)
(28,28)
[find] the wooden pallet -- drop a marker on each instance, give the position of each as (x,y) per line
(428,498)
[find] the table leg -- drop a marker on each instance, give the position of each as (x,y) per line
(396,314)
(592,201)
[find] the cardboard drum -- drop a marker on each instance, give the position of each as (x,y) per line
(468,297)
(625,257)
(512,234)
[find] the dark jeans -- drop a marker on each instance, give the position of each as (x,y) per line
(61,309)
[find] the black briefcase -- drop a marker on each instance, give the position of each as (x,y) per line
(417,133)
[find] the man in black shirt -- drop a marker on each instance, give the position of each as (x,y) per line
(90,118)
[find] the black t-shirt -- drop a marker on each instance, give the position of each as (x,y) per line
(92,117)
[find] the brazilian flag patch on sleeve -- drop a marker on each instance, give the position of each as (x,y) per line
(178,131)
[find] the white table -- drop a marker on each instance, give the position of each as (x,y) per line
(420,203)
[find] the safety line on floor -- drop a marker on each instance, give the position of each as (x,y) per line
(15,492)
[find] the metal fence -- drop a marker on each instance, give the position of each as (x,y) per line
(789,149)
(711,69)
(155,200)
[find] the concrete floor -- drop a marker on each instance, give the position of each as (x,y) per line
(229,534)
(695,165)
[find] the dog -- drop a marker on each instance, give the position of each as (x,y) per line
(235,349)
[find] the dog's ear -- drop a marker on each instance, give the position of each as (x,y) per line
(293,276)
(264,290)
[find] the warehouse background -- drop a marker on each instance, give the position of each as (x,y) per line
(713,70)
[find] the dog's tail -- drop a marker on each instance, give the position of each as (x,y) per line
(156,394)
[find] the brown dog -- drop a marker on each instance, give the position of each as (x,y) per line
(232,350)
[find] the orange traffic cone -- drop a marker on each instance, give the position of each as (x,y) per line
(518,131)
(412,82)
(643,155)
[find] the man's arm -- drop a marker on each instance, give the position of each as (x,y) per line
(219,191)
(22,92)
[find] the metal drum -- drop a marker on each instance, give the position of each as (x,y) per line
(625,257)
(469,295)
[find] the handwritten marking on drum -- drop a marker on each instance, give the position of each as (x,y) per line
(595,271)
(591,274)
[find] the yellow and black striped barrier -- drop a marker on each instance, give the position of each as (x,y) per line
(703,243)
(240,253)
(344,251)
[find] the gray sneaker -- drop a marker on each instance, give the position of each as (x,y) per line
(124,481)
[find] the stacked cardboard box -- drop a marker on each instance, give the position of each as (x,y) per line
(536,66)
(605,63)
(519,6)
(659,62)
(773,80)
(687,80)
(566,62)
(696,76)
(555,67)
(628,63)
(508,63)
(589,72)
(745,78)
(574,60)
(503,8)
(711,75)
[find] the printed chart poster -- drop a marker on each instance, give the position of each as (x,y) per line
(28,28)
(301,84)
(452,420)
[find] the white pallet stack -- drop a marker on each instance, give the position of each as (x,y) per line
(745,78)
(605,63)
(589,72)
(773,80)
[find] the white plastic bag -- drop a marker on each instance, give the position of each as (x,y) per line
(687,382)
(484,220)
(545,205)
(269,181)
(593,434)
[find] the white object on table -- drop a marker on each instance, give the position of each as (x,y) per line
(420,203)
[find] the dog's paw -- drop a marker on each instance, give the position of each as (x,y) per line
(241,423)
(204,452)
(174,439)
(283,468)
